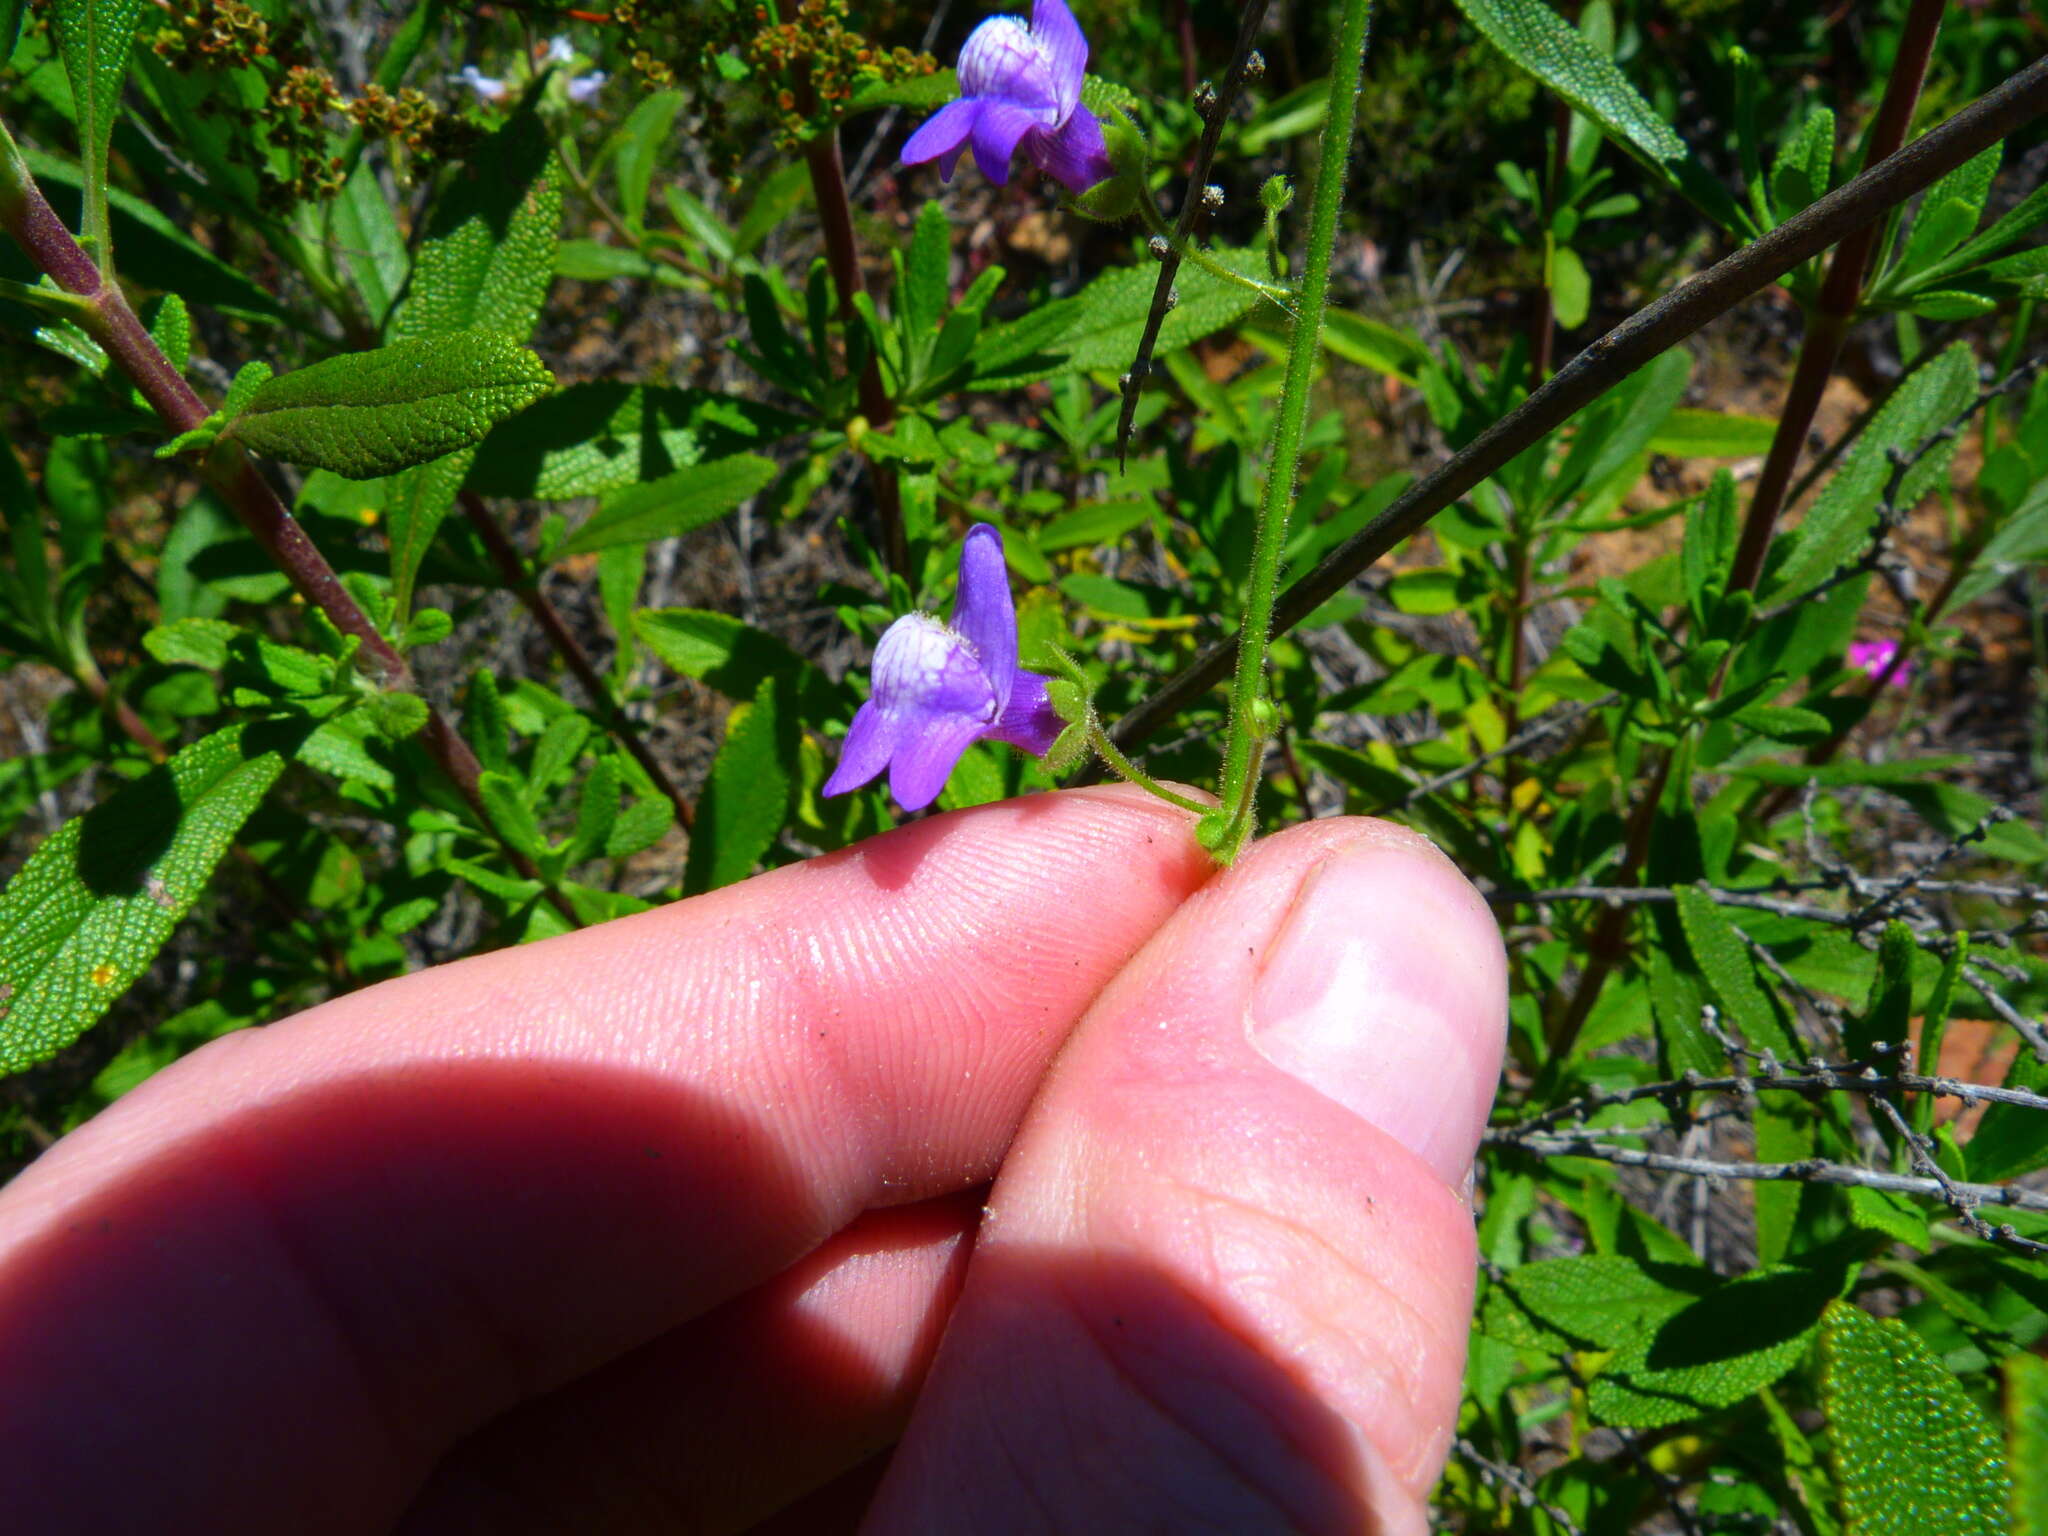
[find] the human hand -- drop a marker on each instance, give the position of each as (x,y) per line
(657,1226)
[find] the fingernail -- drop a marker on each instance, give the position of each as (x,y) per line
(1386,990)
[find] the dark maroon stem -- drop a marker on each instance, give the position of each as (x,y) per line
(526,587)
(107,317)
(842,258)
(1614,357)
(1828,326)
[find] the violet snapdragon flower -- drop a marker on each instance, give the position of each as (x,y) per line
(1874,656)
(939,688)
(1020,87)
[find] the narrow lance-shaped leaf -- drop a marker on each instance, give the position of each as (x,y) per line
(374,413)
(674,504)
(95,38)
(88,912)
(747,795)
(1913,1454)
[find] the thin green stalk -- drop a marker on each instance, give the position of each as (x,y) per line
(1125,769)
(1248,705)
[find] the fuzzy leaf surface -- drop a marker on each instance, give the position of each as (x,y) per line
(85,916)
(367,414)
(1912,1453)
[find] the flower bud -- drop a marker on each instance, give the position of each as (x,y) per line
(1115,198)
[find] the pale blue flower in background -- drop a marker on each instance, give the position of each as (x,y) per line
(486,87)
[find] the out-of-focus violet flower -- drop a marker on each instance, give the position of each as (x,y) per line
(939,688)
(1874,656)
(584,88)
(559,50)
(486,88)
(1020,87)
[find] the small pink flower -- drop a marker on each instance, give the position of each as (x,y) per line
(1875,656)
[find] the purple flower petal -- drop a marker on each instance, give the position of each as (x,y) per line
(869,741)
(942,134)
(1029,721)
(1075,156)
(925,758)
(983,613)
(996,136)
(1059,39)
(1002,61)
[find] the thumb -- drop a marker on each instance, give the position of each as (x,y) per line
(1226,1277)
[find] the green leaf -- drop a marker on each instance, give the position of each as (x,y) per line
(1784,722)
(1949,211)
(511,816)
(674,504)
(485,265)
(94,38)
(636,147)
(592,261)
(1571,289)
(1709,544)
(1724,960)
(368,242)
(731,656)
(2026,1432)
(924,275)
(1805,165)
(1912,1453)
(85,916)
(2012,1139)
(746,796)
(1838,525)
(620,572)
(1101,522)
(597,812)
(1716,1351)
(602,435)
(1886,1016)
(1099,327)
(1376,345)
(1691,433)
(920,92)
(1536,39)
(196,642)
(1590,1301)
(366,414)
(640,826)
(2029,212)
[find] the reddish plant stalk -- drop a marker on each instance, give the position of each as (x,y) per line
(1840,291)
(108,319)
(842,259)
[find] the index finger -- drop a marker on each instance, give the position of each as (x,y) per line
(273,1283)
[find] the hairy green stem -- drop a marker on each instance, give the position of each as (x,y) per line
(1238,784)
(1125,769)
(1194,255)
